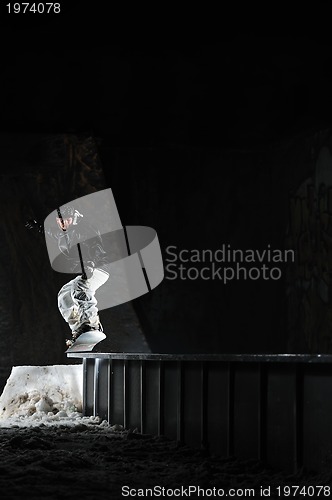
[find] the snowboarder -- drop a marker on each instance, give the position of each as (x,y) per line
(76,299)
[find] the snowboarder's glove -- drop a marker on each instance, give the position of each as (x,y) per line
(33,224)
(89,268)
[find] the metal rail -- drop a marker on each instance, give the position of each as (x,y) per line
(275,408)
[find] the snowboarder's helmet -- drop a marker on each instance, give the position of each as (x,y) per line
(66,211)
(67,215)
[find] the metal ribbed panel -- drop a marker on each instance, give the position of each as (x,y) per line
(117,393)
(88,387)
(278,410)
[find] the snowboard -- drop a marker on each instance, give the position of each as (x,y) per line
(87,341)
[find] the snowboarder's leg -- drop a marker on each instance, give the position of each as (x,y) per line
(85,301)
(78,305)
(66,304)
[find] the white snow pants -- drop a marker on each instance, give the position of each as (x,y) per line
(76,300)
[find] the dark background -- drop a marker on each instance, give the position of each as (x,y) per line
(206,143)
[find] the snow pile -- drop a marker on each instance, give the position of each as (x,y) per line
(44,395)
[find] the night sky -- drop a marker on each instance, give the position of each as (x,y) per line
(205,143)
(196,141)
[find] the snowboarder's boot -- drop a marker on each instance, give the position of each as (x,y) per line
(86,327)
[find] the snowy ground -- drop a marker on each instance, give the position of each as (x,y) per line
(51,395)
(50,451)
